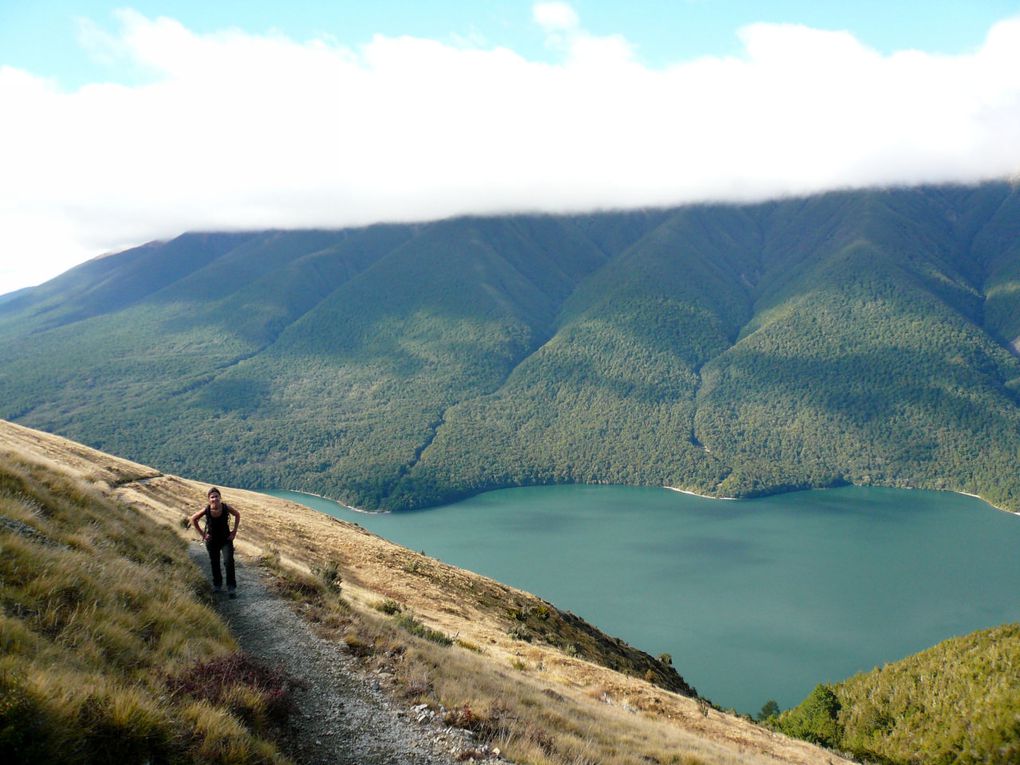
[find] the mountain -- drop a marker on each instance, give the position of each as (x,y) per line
(863,337)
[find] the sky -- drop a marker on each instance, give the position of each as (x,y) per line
(122,123)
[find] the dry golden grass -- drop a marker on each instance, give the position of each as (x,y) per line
(552,700)
(100,608)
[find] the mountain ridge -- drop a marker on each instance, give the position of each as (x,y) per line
(725,349)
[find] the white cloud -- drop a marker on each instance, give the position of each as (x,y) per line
(555,16)
(242,131)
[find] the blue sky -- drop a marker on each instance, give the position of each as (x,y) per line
(43,35)
(128,122)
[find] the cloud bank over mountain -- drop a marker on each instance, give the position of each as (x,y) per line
(233,130)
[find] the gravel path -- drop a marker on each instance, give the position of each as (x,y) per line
(342,716)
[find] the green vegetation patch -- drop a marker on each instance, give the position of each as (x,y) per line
(419,629)
(956,703)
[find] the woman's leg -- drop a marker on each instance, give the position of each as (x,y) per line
(228,561)
(214,560)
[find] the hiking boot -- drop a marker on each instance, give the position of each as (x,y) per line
(217,588)
(232,593)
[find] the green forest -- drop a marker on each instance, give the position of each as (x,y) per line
(957,703)
(860,337)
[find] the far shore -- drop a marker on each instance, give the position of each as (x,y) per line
(964,493)
(695,494)
(977,496)
(336,501)
(820,488)
(681,491)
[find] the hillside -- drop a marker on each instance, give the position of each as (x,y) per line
(957,703)
(109,649)
(540,683)
(864,337)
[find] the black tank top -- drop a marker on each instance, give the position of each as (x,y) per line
(218,529)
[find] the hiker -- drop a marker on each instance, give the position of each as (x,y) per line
(219,538)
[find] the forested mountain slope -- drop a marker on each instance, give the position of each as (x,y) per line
(860,336)
(953,704)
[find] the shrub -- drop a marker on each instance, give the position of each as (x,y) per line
(357,646)
(518,632)
(123,725)
(330,575)
(769,709)
(464,718)
(816,719)
(298,585)
(467,644)
(250,689)
(415,627)
(388,606)
(222,739)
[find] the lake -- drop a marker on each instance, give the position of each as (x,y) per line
(754,599)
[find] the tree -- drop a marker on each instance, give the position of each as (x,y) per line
(769,709)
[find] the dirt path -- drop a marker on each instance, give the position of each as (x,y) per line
(342,717)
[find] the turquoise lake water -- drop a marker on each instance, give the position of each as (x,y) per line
(755,599)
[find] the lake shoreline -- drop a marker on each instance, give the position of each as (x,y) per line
(678,490)
(978,496)
(863,486)
(337,501)
(696,494)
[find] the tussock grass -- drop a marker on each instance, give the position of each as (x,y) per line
(100,609)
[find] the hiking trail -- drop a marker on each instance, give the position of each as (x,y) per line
(341,713)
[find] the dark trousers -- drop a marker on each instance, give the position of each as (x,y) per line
(215,547)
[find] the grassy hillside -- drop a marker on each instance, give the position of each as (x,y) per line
(108,652)
(864,337)
(538,683)
(957,703)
